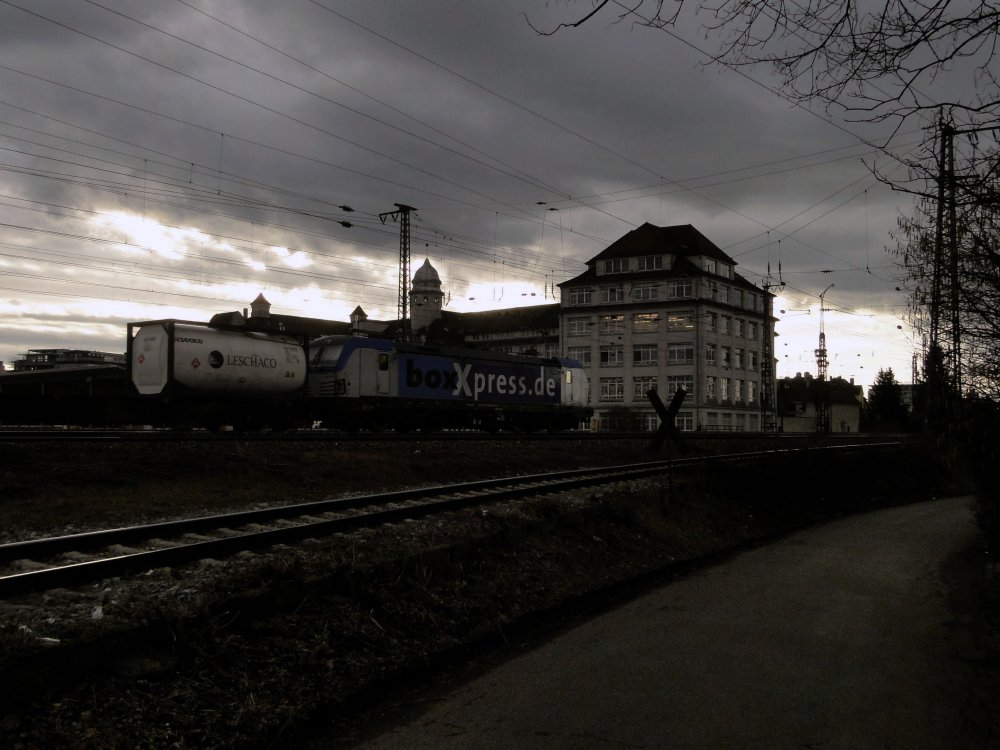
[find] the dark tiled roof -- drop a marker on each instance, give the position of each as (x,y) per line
(293,325)
(682,240)
(532,318)
(683,268)
(803,389)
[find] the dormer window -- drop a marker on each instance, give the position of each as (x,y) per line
(711,266)
(651,263)
(616,265)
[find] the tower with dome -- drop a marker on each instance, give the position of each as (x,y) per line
(426,300)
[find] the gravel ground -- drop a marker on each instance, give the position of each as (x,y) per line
(253,650)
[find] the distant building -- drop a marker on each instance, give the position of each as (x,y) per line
(663,308)
(261,319)
(60,359)
(798,398)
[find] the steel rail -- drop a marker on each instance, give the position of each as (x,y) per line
(417,503)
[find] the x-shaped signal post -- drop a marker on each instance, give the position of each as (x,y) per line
(667,429)
(667,415)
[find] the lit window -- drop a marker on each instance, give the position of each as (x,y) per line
(612,324)
(645,322)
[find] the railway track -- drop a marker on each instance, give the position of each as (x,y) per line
(71,560)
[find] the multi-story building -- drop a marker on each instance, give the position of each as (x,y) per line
(663,308)
(61,359)
(797,400)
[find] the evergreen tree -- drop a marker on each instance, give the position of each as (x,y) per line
(885,401)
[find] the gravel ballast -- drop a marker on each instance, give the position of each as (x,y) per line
(263,650)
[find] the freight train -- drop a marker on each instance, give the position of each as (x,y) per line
(181,373)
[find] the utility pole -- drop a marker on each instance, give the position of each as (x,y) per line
(767,406)
(946,254)
(402,213)
(822,362)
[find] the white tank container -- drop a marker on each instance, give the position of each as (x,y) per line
(206,360)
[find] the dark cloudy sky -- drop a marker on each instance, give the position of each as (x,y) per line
(174,158)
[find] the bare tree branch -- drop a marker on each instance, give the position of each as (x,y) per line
(877,64)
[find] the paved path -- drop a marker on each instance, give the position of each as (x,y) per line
(837,637)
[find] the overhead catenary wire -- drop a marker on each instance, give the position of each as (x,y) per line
(151,191)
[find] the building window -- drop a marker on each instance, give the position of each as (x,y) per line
(680,381)
(710,386)
(724,389)
(752,331)
(751,360)
(612,293)
(644,292)
(712,321)
(616,265)
(751,391)
(612,389)
(581,296)
(726,357)
(680,289)
(737,389)
(741,327)
(680,321)
(723,295)
(644,355)
(710,354)
(651,263)
(711,266)
(642,386)
(578,327)
(738,297)
(612,355)
(612,324)
(645,322)
(726,325)
(680,354)
(580,353)
(684,421)
(738,358)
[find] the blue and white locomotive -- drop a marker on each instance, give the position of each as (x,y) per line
(355,383)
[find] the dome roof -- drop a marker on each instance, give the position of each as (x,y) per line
(426,278)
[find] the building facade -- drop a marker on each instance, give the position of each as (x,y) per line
(798,398)
(61,359)
(663,308)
